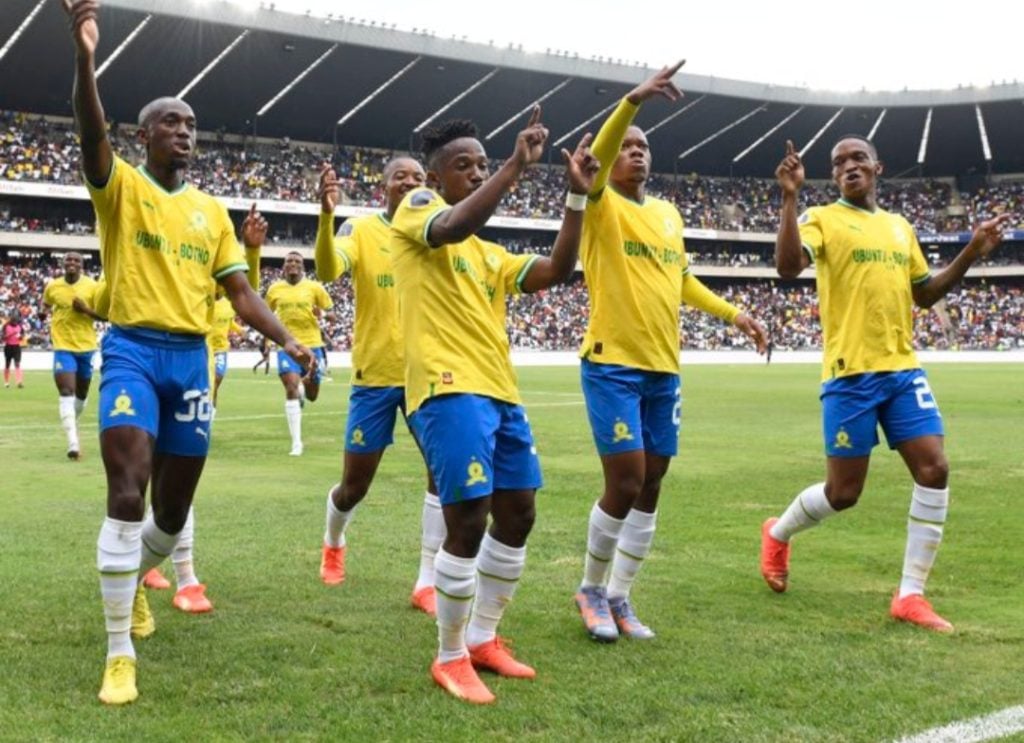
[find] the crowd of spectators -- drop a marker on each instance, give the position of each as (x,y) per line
(35,149)
(977,315)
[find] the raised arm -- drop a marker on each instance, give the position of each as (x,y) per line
(327,262)
(790,257)
(580,168)
(986,237)
(97,156)
(254,234)
(609,138)
(468,216)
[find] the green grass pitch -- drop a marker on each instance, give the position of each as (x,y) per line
(284,657)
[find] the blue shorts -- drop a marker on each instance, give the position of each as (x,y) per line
(371,418)
(220,364)
(158,382)
(287,365)
(78,363)
(853,407)
(632,409)
(475,445)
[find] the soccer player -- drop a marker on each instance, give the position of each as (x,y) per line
(460,388)
(73,337)
(220,341)
(378,368)
(299,303)
(14,339)
(637,274)
(264,359)
(870,271)
(164,246)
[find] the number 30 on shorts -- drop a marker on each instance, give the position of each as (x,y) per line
(925,399)
(199,407)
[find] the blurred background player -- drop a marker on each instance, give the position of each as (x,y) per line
(73,335)
(264,359)
(299,303)
(163,247)
(870,272)
(378,368)
(14,339)
(637,274)
(461,392)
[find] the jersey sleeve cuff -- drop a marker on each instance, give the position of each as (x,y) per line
(230,269)
(430,221)
(809,250)
(921,279)
(524,271)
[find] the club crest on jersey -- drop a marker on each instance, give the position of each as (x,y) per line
(198,223)
(475,473)
(122,405)
(493,262)
(898,234)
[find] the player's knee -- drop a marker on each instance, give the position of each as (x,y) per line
(626,486)
(312,393)
(514,527)
(125,503)
(353,489)
(933,474)
(843,495)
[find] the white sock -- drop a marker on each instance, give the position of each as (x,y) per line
(118,554)
(80,405)
(337,520)
(157,545)
(634,545)
(213,415)
(924,534)
(432,536)
(498,568)
(66,406)
(455,584)
(602,536)
(184,570)
(808,509)
(293,411)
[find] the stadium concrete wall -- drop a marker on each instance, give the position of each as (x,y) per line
(43,360)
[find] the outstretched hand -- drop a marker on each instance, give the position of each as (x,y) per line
(753,330)
(989,234)
(328,189)
(302,355)
(659,84)
(82,15)
(790,173)
(530,142)
(254,228)
(581,166)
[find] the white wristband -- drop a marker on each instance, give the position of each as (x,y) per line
(576,201)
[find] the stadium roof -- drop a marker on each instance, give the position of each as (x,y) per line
(280,74)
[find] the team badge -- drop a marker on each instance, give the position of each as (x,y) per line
(475,472)
(122,405)
(621,432)
(357,437)
(842,440)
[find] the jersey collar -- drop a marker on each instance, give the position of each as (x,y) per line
(149,177)
(383,217)
(844,202)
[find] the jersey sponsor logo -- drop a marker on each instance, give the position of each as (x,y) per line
(842,440)
(475,473)
(357,438)
(385,280)
(122,405)
(447,378)
(621,432)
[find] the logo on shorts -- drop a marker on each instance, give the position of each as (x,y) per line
(357,437)
(58,365)
(203,433)
(842,440)
(476,473)
(447,378)
(621,432)
(122,405)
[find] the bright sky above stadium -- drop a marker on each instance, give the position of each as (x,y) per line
(871,44)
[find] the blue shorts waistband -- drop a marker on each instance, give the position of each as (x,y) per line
(159,338)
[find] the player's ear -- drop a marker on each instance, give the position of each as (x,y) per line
(142,134)
(432,180)
(879,167)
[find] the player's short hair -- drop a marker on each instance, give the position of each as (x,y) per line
(295,252)
(862,138)
(436,137)
(393,163)
(155,106)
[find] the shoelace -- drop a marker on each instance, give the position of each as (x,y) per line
(597,604)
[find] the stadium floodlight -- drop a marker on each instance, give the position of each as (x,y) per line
(674,114)
(767,134)
(710,138)
(123,45)
(380,89)
(21,28)
(528,107)
(456,99)
(820,132)
(298,79)
(878,123)
(213,63)
(985,149)
(924,137)
(572,131)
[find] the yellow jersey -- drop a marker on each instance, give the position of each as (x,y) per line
(452,307)
(223,324)
(362,249)
(866,263)
(162,251)
(294,305)
(71,330)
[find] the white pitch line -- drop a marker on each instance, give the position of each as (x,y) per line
(987,727)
